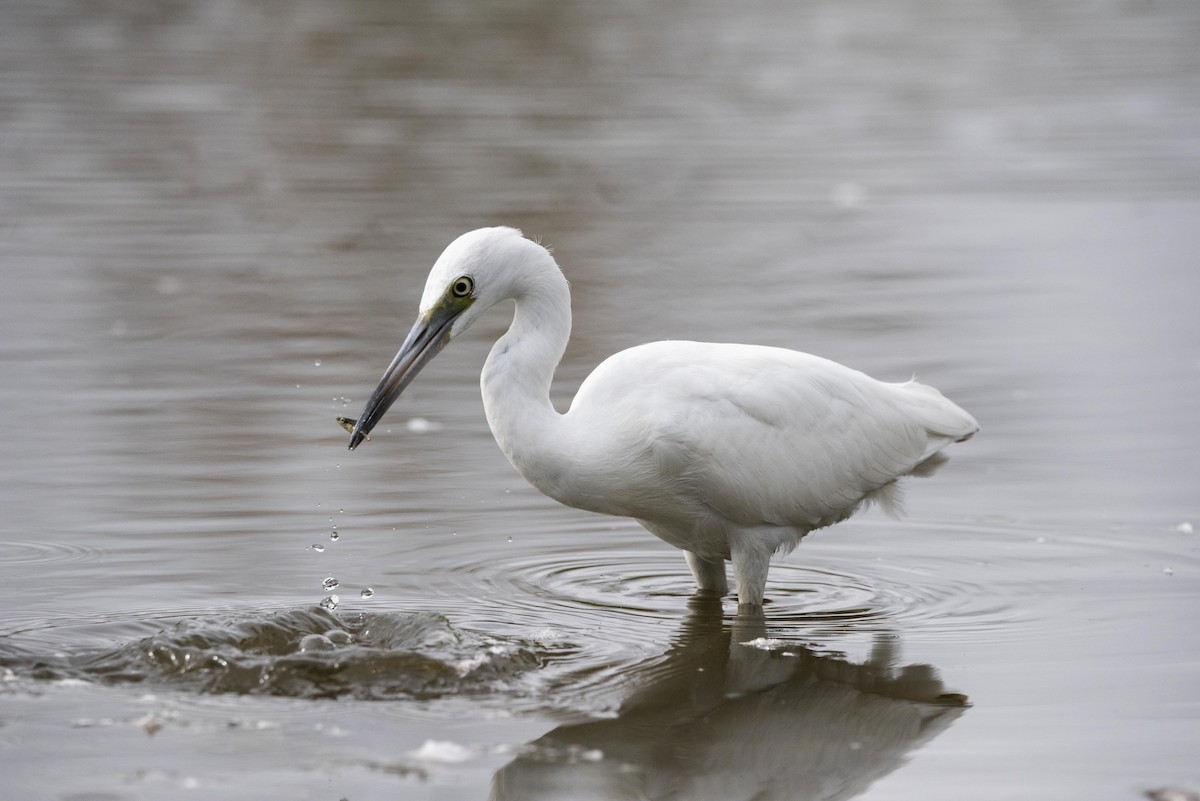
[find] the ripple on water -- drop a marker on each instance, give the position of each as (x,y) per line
(551,617)
(630,586)
(839,582)
(28,554)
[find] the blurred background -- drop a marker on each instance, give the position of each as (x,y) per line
(215,222)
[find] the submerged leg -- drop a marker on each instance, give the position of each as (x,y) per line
(750,564)
(709,573)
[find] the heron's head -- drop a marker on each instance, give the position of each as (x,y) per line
(477,271)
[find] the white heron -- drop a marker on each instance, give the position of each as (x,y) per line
(728,452)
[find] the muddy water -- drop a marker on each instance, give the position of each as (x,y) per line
(215,220)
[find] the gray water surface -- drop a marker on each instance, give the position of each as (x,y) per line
(215,223)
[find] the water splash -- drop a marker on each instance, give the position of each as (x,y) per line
(301,653)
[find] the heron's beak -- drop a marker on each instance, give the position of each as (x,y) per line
(427,337)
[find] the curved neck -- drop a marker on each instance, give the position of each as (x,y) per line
(517,374)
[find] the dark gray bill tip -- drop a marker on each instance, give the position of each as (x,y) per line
(429,335)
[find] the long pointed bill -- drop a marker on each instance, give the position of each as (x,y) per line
(427,337)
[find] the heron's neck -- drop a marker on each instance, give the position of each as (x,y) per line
(516,377)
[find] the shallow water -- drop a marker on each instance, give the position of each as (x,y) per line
(215,222)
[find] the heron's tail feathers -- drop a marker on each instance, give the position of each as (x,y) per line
(943,420)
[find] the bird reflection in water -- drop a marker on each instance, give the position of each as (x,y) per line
(725,714)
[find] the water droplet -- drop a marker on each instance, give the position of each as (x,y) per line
(510,539)
(367,592)
(341,511)
(318,547)
(329,583)
(333,535)
(330,602)
(317,363)
(315,642)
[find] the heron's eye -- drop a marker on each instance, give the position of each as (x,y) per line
(462,287)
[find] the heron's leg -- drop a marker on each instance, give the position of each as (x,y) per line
(709,573)
(750,564)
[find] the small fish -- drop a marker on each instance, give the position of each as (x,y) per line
(348,424)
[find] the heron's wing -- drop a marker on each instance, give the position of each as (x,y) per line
(772,436)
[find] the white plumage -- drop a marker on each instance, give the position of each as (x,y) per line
(725,451)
